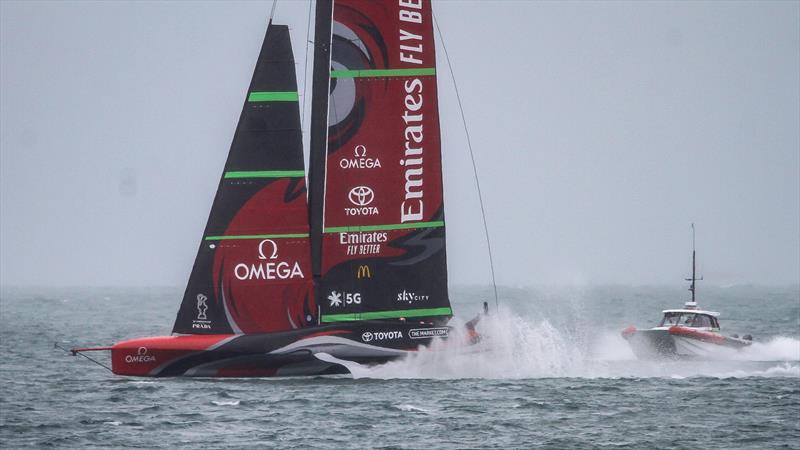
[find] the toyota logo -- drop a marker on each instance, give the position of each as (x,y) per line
(361,195)
(366,336)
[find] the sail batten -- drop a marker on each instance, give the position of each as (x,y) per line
(396,226)
(265,174)
(286,96)
(257,236)
(378,315)
(378,73)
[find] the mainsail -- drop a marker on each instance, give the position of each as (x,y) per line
(252,273)
(376,178)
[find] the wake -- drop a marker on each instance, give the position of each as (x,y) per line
(517,348)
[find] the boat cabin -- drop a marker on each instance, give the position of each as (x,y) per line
(692,318)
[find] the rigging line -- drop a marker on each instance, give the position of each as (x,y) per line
(85,356)
(272,11)
(471,156)
(305,67)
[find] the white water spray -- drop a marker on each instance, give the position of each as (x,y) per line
(517,348)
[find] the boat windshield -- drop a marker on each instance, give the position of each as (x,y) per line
(685,320)
(670,319)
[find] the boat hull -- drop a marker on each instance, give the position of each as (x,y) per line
(679,342)
(290,353)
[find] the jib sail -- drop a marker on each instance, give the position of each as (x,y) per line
(252,273)
(377,212)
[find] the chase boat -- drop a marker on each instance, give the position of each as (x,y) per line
(684,333)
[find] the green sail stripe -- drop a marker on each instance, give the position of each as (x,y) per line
(382,73)
(257,236)
(272,97)
(373,315)
(265,174)
(394,226)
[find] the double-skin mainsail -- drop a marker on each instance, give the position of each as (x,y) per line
(378,232)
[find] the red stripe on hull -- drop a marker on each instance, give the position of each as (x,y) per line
(704,336)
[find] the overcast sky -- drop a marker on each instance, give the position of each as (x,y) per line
(601,131)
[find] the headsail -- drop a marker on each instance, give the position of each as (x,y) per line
(381,221)
(252,273)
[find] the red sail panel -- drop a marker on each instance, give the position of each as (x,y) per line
(262,268)
(383,251)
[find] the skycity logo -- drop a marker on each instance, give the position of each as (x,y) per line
(369,336)
(141,356)
(271,270)
(411,297)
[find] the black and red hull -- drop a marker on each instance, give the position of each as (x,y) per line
(289,353)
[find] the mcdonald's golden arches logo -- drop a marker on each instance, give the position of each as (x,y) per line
(364,272)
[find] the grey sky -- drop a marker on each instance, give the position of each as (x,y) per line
(601,131)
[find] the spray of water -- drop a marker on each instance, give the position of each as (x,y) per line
(514,347)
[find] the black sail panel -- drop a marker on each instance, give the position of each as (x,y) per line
(252,272)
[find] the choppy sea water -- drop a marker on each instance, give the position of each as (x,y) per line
(553,372)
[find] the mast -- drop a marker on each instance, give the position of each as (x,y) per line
(319,129)
(694,278)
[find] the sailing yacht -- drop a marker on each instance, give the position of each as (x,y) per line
(352,266)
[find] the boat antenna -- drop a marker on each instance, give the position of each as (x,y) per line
(694,272)
(471,156)
(272,11)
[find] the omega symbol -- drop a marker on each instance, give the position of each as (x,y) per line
(261,249)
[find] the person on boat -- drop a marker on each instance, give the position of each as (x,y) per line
(472,334)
